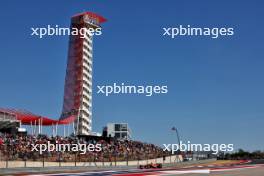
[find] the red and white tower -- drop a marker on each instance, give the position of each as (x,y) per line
(78,80)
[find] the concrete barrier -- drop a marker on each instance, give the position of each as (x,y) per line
(19,164)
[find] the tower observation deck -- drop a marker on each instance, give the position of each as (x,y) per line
(78,80)
(77,101)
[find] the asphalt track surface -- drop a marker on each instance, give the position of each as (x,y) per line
(241,169)
(246,170)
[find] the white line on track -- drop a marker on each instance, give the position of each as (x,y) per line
(85,173)
(81,173)
(202,171)
(234,168)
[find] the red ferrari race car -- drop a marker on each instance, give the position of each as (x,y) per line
(150,166)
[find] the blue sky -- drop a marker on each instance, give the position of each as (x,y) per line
(215,85)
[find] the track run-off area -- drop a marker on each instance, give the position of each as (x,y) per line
(215,168)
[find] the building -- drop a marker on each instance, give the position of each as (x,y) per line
(77,101)
(119,131)
(8,122)
(78,81)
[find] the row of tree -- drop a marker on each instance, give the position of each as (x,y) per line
(241,154)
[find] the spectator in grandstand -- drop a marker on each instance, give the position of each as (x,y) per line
(20,147)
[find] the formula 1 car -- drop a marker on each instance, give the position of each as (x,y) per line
(150,166)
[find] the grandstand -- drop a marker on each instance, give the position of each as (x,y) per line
(17,147)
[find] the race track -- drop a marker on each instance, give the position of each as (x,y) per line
(246,169)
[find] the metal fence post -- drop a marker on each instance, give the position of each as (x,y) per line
(127,159)
(95,160)
(43,160)
(7,158)
(59,159)
(147,158)
(75,160)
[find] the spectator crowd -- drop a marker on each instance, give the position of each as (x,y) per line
(14,147)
